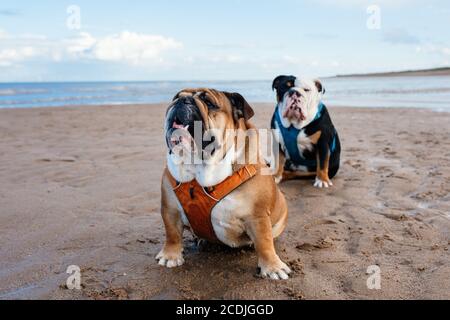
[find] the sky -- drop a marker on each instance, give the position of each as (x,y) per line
(78,40)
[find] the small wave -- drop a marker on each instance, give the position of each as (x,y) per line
(15,92)
(7,92)
(52,100)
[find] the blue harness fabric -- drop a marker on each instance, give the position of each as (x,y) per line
(290,140)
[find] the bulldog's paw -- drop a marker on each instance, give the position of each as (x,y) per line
(319,183)
(275,271)
(170,259)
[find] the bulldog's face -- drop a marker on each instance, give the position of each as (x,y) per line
(198,119)
(299,103)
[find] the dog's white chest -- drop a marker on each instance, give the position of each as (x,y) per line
(304,142)
(228,220)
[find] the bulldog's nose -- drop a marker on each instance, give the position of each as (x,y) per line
(293,92)
(185,112)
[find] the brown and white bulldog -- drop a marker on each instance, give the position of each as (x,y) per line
(253,213)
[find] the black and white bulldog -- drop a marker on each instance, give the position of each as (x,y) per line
(309,143)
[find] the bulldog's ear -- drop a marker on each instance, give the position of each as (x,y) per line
(319,86)
(289,81)
(276,82)
(176,96)
(241,108)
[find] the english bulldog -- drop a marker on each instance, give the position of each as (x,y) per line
(253,213)
(309,142)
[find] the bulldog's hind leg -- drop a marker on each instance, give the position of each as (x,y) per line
(290,175)
(284,175)
(323,164)
(172,254)
(271,266)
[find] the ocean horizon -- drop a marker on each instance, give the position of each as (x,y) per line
(431,92)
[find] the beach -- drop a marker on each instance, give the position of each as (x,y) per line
(81,186)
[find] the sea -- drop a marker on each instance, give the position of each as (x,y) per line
(432,92)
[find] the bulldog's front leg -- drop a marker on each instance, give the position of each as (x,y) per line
(323,162)
(271,266)
(172,254)
(281,161)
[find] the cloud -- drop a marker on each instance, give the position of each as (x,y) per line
(227,58)
(125,47)
(10,56)
(400,36)
(321,36)
(133,47)
(231,45)
(15,49)
(26,36)
(80,45)
(439,49)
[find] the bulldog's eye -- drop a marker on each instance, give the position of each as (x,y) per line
(307,90)
(208,103)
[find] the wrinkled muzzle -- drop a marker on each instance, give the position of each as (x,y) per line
(293,106)
(186,132)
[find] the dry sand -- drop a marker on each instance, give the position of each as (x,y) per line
(80,186)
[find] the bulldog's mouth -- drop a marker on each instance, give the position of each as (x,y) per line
(181,121)
(181,141)
(180,137)
(294,111)
(186,131)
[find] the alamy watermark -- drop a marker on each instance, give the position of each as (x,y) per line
(73,282)
(73,21)
(219,147)
(374,19)
(374,280)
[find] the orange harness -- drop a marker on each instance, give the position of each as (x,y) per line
(198,202)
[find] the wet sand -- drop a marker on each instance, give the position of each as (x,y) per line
(80,186)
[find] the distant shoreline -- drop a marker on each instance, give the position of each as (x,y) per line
(407,73)
(445,71)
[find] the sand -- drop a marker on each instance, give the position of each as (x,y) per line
(80,186)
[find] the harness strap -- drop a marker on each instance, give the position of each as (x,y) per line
(198,202)
(290,141)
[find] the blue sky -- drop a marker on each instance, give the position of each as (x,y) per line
(217,40)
